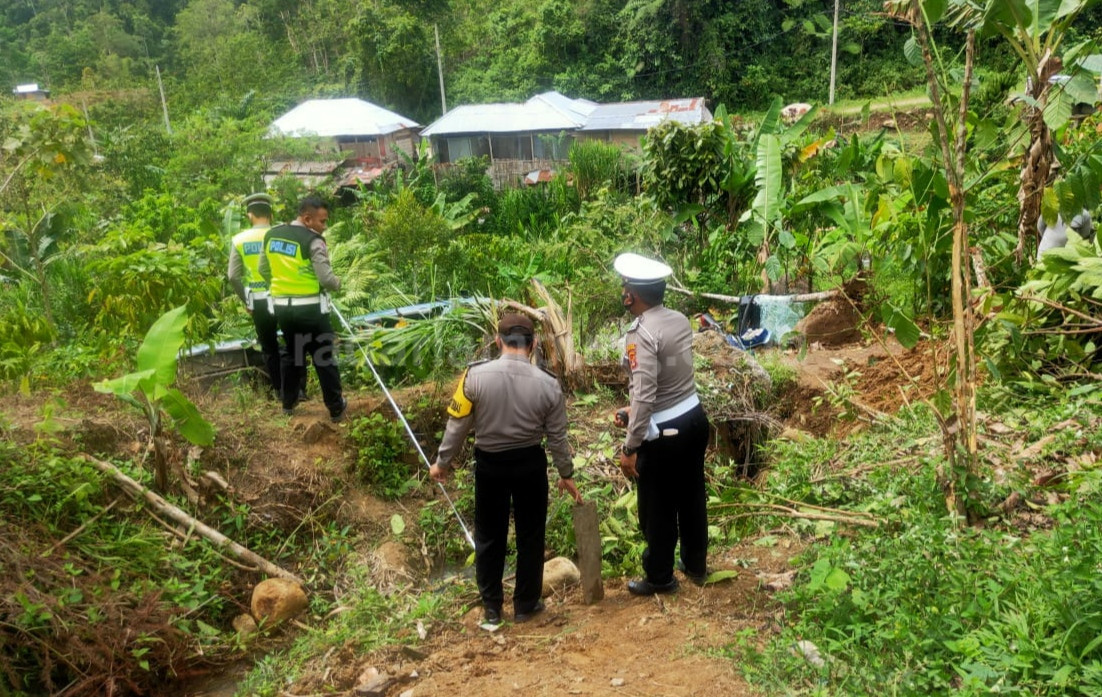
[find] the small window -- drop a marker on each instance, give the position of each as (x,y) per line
(458,148)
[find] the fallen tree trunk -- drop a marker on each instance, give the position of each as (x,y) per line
(223,543)
(798,298)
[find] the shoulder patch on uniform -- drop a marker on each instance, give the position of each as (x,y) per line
(460,406)
(632,356)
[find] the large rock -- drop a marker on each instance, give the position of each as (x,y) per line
(559,573)
(277,599)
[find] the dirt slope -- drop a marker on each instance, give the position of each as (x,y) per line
(664,646)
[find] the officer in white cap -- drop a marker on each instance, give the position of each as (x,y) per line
(667,430)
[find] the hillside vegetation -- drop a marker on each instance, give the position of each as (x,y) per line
(910,505)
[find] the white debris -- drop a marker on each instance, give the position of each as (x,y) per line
(810,652)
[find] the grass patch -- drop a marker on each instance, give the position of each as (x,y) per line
(923,606)
(369,620)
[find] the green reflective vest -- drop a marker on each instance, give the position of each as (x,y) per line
(250,245)
(288,250)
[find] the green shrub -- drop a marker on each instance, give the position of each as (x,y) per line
(138,280)
(529,212)
(921,605)
(595,165)
(380,445)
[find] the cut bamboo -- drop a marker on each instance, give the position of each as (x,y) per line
(223,543)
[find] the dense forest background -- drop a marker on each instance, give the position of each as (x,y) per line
(738,53)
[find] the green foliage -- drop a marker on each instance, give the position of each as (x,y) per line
(156,372)
(920,606)
(425,348)
(149,625)
(412,236)
(534,212)
(1050,330)
(140,278)
(120,599)
(686,164)
(594,165)
(382,448)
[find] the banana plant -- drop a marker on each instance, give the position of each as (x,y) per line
(765,217)
(149,389)
(1035,30)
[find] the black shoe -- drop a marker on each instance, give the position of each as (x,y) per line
(302,397)
(521,617)
(288,412)
(645,587)
(338,415)
(491,615)
(699,579)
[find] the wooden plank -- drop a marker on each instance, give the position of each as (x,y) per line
(588,539)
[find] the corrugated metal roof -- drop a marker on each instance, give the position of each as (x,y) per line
(575,109)
(339,117)
(639,116)
(550,111)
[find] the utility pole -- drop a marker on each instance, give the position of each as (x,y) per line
(440,70)
(834,53)
(164,104)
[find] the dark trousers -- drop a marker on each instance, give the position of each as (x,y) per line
(517,478)
(307,333)
(267,335)
(672,500)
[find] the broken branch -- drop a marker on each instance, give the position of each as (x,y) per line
(220,541)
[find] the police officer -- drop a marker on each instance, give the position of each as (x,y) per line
(246,248)
(296,265)
(511,405)
(667,430)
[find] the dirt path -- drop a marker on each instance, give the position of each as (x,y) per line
(665,646)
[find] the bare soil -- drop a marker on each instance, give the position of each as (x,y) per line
(676,644)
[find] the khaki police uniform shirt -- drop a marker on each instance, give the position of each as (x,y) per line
(510,404)
(658,355)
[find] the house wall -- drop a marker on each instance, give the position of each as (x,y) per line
(522,145)
(629,140)
(37,96)
(378,150)
(362,148)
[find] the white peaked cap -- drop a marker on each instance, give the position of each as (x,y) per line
(639,270)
